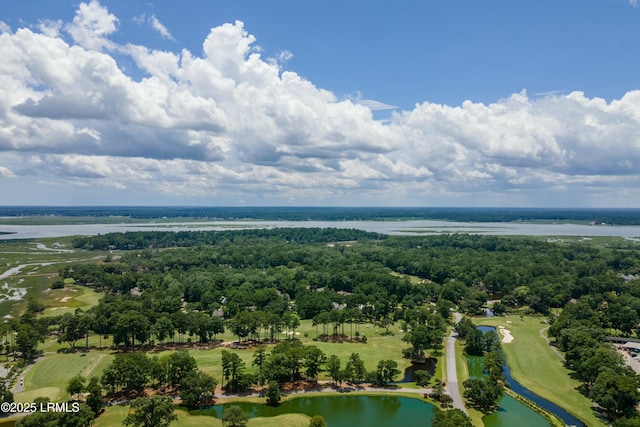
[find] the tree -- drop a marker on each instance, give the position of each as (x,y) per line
(180,364)
(154,411)
(40,419)
(76,386)
(94,399)
(493,363)
(273,394)
(419,338)
(5,393)
(163,328)
(422,377)
(234,416)
(386,371)
(70,329)
(452,418)
(232,371)
(131,326)
(27,338)
(128,370)
(314,358)
(356,369)
(482,394)
(463,327)
(475,343)
(333,367)
(616,392)
(196,389)
(317,421)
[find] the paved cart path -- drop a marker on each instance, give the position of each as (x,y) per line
(452,375)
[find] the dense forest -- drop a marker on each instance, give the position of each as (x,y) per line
(259,284)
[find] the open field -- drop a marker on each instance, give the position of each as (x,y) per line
(535,365)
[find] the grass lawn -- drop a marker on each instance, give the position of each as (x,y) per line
(536,366)
(49,377)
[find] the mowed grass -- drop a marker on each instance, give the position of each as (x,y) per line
(66,300)
(536,366)
(50,376)
(114,415)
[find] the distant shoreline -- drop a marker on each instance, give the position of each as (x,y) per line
(33,215)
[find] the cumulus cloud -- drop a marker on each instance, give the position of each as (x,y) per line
(230,124)
(91,26)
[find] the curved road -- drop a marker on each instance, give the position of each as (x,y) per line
(452,375)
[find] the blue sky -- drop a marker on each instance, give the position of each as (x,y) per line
(449,103)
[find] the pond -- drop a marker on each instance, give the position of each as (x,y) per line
(428,365)
(344,411)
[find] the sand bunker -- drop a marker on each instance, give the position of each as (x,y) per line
(506,335)
(65,299)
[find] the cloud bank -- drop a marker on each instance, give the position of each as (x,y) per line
(228,125)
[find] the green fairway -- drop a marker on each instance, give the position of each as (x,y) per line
(536,366)
(49,377)
(66,300)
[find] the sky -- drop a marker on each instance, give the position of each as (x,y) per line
(534,103)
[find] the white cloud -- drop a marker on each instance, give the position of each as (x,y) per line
(376,105)
(91,25)
(231,125)
(161,29)
(6,172)
(50,28)
(4,27)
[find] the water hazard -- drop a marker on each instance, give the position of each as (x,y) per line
(344,411)
(514,385)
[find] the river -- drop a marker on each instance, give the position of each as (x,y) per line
(409,227)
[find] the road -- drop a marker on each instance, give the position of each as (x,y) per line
(452,375)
